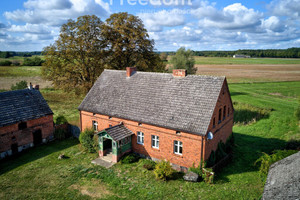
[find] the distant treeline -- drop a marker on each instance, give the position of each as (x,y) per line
(8,54)
(259,53)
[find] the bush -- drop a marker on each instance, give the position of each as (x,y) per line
(19,86)
(208,175)
(36,61)
(61,120)
(130,158)
(197,170)
(5,63)
(266,160)
(149,164)
(87,141)
(163,170)
(60,134)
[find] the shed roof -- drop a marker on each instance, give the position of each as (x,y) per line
(22,105)
(184,104)
(118,132)
(283,180)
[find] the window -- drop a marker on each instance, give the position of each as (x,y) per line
(94,114)
(110,126)
(109,117)
(214,122)
(22,125)
(140,124)
(220,115)
(177,132)
(95,125)
(224,112)
(178,147)
(140,137)
(155,141)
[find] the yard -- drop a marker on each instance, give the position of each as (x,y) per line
(38,174)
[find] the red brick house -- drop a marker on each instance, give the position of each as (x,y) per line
(177,117)
(25,120)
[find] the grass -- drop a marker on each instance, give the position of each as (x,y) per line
(76,178)
(17,71)
(63,103)
(243,61)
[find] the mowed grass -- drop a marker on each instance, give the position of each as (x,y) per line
(77,178)
(17,71)
(243,61)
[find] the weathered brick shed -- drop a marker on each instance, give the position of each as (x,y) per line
(25,120)
(177,117)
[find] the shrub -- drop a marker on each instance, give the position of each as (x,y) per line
(61,120)
(130,158)
(86,140)
(60,134)
(36,61)
(208,175)
(149,164)
(5,63)
(267,160)
(163,170)
(19,86)
(212,159)
(197,170)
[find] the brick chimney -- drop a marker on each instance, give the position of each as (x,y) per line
(130,71)
(179,72)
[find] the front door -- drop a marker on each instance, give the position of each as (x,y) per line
(37,137)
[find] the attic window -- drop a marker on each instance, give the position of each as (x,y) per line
(109,117)
(177,132)
(140,124)
(220,115)
(94,114)
(22,125)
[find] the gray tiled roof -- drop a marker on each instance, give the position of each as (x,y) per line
(118,132)
(22,105)
(283,180)
(183,104)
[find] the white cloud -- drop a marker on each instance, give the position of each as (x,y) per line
(30,28)
(233,17)
(156,21)
(274,24)
(55,13)
(290,8)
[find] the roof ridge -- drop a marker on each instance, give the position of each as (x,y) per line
(166,73)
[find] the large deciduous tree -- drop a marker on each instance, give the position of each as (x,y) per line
(86,46)
(183,59)
(129,44)
(77,57)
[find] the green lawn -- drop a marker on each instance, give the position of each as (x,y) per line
(38,174)
(17,71)
(243,61)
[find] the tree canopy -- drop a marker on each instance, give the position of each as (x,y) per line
(87,46)
(183,59)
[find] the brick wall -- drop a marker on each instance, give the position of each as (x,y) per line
(11,134)
(191,143)
(222,130)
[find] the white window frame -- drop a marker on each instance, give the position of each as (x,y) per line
(155,139)
(140,137)
(95,125)
(177,145)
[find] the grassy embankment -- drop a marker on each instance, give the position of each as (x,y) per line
(38,174)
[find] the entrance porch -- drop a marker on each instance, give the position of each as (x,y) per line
(114,142)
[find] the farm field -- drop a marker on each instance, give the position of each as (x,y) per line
(244,61)
(77,178)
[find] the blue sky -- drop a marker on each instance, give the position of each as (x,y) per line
(30,25)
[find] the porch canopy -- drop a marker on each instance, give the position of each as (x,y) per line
(118,132)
